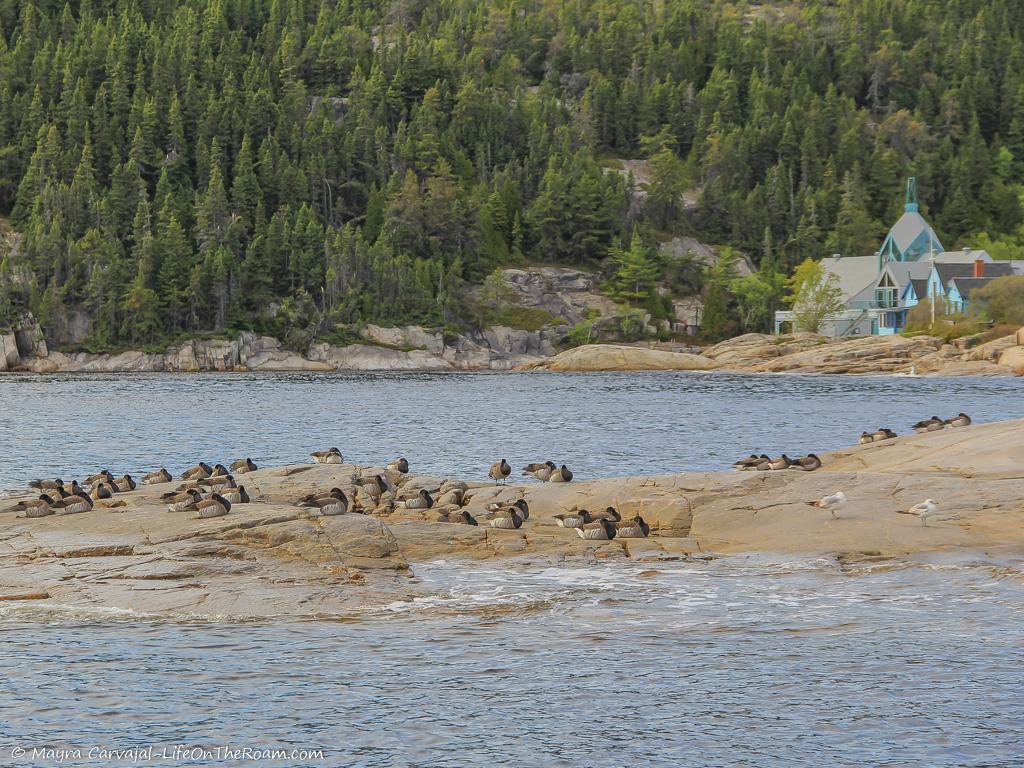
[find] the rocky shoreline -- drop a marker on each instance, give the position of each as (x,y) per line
(271,559)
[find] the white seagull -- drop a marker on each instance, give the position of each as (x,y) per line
(832,503)
(926,510)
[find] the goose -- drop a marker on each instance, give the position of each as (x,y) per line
(179,502)
(573,519)
(601,530)
(637,528)
(561,475)
(462,517)
(866,437)
(236,495)
(960,420)
(104,477)
(219,470)
(500,470)
(783,462)
(104,490)
(422,500)
(219,481)
(335,504)
(929,425)
(241,466)
(508,518)
(330,456)
(762,464)
(374,485)
(808,463)
(103,474)
(520,506)
(540,470)
(39,507)
(334,493)
(199,471)
(399,465)
(833,503)
(926,510)
(454,496)
(214,506)
(750,461)
(126,483)
(46,485)
(73,504)
(155,478)
(609,513)
(883,433)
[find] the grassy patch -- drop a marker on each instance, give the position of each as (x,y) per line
(524,318)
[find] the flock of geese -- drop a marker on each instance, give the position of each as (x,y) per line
(211,491)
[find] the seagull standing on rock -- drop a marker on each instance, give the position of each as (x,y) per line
(832,503)
(926,510)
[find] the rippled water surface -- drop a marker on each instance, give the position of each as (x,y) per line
(686,664)
(732,662)
(599,424)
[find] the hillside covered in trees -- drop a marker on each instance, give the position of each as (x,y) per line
(182,166)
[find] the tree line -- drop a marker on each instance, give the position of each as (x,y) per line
(292,166)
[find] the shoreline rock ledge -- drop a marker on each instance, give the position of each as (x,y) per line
(272,560)
(619,357)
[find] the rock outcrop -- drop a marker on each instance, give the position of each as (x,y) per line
(614,357)
(269,558)
(919,355)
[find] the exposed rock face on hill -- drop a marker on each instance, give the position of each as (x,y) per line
(613,357)
(270,558)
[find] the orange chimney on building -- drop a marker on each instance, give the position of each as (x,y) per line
(979,268)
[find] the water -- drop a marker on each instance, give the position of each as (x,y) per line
(599,424)
(731,662)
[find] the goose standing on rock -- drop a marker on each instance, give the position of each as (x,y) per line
(540,470)
(500,470)
(561,475)
(330,456)
(155,478)
(832,503)
(602,530)
(241,466)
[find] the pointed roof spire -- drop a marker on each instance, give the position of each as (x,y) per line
(911,202)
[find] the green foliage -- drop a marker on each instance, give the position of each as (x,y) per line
(719,277)
(1002,299)
(636,271)
(376,158)
(814,296)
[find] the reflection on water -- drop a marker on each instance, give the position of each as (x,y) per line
(600,424)
(695,664)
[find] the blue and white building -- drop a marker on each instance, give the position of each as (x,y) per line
(910,267)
